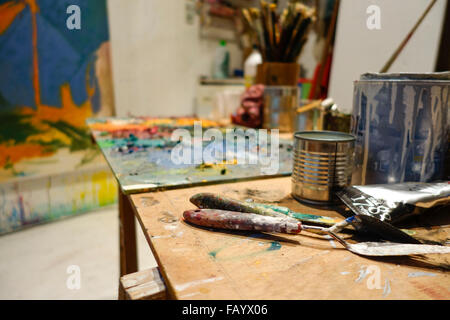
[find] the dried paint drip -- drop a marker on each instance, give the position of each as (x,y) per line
(402,117)
(241,221)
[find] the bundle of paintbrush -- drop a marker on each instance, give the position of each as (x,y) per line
(280,38)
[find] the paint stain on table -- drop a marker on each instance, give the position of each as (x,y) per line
(219,255)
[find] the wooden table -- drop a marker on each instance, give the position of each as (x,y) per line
(138,151)
(202,263)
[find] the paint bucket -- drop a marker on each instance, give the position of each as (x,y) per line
(280,104)
(400,122)
(323,164)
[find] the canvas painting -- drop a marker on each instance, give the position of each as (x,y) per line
(52,79)
(55,72)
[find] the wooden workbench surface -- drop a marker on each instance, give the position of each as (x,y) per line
(202,263)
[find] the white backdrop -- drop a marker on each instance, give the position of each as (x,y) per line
(359,50)
(157,57)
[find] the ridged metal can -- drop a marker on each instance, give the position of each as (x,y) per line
(323,164)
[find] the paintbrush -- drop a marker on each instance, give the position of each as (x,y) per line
(325,52)
(284,16)
(265,29)
(299,39)
(232,220)
(291,28)
(288,31)
(268,20)
(299,32)
(406,39)
(248,19)
(251,24)
(273,26)
(255,15)
(284,26)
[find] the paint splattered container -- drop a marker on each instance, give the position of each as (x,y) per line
(280,104)
(401,126)
(323,164)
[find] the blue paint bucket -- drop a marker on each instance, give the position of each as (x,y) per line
(401,126)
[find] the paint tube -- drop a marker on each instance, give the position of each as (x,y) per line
(394,202)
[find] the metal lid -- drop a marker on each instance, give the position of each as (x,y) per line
(324,136)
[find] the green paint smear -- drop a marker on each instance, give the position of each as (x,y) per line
(4,103)
(104,144)
(79,137)
(274,246)
(142,143)
(51,146)
(288,212)
(214,253)
(14,126)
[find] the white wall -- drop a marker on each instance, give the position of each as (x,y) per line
(359,50)
(157,57)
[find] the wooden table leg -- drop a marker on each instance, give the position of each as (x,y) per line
(143,285)
(127,238)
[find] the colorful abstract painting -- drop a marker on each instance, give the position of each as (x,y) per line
(140,152)
(52,78)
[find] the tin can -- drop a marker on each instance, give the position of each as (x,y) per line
(400,122)
(280,105)
(323,164)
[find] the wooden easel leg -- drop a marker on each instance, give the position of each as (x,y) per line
(127,238)
(122,292)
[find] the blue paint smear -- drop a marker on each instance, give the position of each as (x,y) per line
(214,253)
(16,82)
(58,65)
(274,245)
(65,56)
